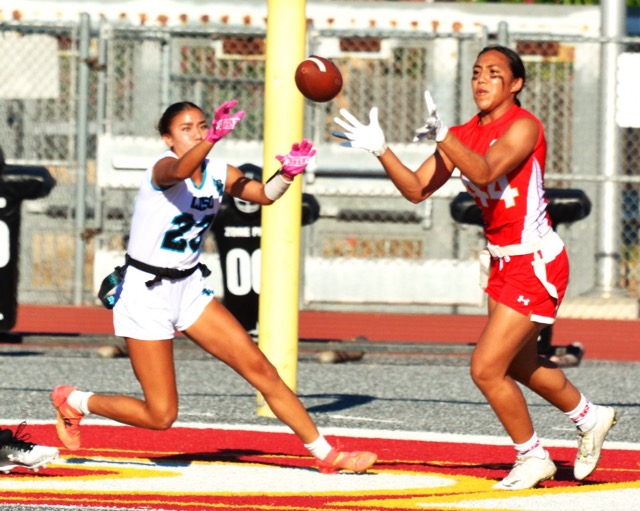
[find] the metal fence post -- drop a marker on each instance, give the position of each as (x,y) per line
(503,33)
(81,157)
(165,82)
(608,254)
(104,30)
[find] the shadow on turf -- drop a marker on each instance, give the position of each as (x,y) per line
(21,353)
(338,402)
(239,456)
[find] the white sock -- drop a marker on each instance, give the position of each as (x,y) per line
(583,415)
(320,448)
(79,401)
(531,447)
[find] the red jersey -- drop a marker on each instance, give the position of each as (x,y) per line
(513,206)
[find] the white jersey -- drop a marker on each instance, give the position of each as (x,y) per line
(169,224)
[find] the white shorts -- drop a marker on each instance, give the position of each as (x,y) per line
(156,313)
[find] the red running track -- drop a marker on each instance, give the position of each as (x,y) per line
(603,339)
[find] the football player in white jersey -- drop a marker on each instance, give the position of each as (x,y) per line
(163,288)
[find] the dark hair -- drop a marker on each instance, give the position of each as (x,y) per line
(515,64)
(171,112)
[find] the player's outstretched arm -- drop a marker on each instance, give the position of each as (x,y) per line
(504,155)
(414,186)
(169,171)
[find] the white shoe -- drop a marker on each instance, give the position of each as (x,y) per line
(528,472)
(15,451)
(590,442)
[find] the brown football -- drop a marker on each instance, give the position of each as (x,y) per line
(318,79)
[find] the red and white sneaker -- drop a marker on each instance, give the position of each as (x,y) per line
(68,425)
(358,461)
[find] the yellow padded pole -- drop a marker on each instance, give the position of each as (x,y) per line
(281,222)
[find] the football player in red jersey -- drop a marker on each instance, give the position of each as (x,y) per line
(500,154)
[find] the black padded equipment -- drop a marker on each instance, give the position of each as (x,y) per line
(565,205)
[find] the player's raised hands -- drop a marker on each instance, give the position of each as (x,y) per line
(294,162)
(224,121)
(369,137)
(434,128)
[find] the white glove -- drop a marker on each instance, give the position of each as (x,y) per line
(434,128)
(370,137)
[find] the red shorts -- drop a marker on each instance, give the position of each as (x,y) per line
(512,282)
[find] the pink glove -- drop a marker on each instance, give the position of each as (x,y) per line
(297,159)
(223,122)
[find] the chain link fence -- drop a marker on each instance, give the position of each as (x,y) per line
(37,127)
(371,249)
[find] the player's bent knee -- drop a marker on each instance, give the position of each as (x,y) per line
(163,420)
(163,424)
(483,376)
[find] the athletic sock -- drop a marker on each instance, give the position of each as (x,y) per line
(320,448)
(531,447)
(79,401)
(583,415)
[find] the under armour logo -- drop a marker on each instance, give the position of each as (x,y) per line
(523,300)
